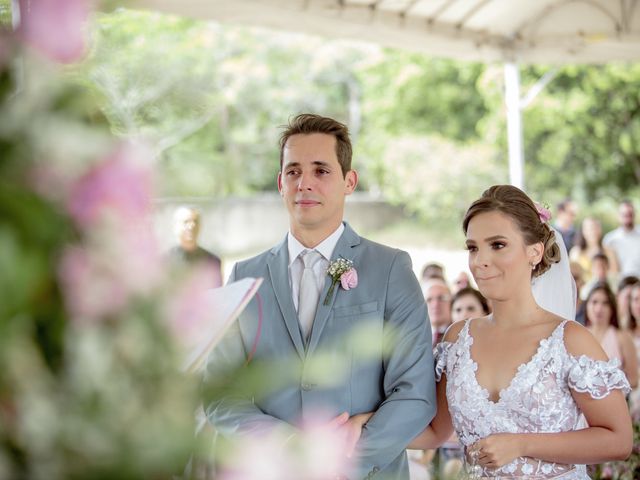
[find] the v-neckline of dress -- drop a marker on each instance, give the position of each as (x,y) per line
(521,368)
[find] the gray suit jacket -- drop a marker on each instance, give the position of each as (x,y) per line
(397,383)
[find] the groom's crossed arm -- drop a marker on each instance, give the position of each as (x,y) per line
(233,412)
(408,382)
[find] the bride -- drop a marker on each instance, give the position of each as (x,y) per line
(514,384)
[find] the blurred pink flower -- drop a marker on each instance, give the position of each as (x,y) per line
(261,457)
(57,28)
(317,452)
(323,456)
(50,181)
(90,290)
(135,256)
(189,308)
(120,188)
(99,278)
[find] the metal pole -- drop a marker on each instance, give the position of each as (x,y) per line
(514,124)
(15,13)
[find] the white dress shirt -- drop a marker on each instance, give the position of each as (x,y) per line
(325,248)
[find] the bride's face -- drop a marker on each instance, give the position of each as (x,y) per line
(498,257)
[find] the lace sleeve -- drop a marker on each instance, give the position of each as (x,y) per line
(596,377)
(440,358)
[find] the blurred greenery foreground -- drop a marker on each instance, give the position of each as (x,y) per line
(94,326)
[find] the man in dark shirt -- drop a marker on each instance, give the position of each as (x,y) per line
(565,218)
(188,252)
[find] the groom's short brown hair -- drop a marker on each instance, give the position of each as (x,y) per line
(307,123)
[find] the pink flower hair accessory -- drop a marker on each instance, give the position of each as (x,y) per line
(543,212)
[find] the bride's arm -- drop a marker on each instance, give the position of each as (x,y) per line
(608,436)
(440,428)
(434,435)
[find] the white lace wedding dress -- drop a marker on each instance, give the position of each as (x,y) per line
(538,399)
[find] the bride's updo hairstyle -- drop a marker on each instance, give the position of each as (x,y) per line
(514,203)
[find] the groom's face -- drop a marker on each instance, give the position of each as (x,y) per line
(312,184)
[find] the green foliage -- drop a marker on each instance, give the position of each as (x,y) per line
(80,397)
(408,93)
(586,125)
(211,98)
(5,13)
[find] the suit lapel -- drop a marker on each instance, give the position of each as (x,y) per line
(279,273)
(344,249)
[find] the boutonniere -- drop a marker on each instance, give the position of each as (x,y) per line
(341,270)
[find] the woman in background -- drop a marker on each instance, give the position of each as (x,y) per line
(601,316)
(468,303)
(588,244)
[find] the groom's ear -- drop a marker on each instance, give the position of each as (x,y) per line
(351,181)
(280,183)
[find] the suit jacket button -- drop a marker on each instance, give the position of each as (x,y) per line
(306,386)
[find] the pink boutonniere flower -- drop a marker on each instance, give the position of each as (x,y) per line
(349,279)
(341,270)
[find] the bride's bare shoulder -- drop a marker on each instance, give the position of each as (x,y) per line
(578,341)
(451,335)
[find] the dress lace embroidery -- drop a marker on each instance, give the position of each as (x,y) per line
(537,400)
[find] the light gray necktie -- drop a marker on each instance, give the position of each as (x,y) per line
(309,292)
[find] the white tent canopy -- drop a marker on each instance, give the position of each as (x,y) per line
(511,31)
(530,31)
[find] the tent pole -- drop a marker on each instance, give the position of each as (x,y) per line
(15,14)
(514,124)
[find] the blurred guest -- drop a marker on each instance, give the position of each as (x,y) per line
(577,272)
(588,243)
(566,212)
(188,252)
(438,298)
(432,270)
(461,281)
(599,273)
(633,313)
(468,303)
(622,297)
(602,322)
(624,241)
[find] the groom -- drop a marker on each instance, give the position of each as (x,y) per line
(304,318)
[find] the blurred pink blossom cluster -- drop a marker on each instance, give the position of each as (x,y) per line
(111,205)
(188,307)
(56,28)
(316,452)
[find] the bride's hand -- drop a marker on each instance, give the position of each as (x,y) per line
(353,430)
(497,450)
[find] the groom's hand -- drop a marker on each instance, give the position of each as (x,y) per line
(353,431)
